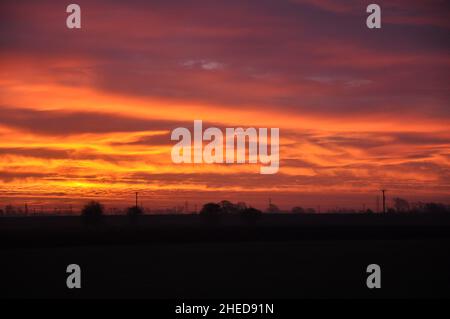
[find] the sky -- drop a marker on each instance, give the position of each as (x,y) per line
(87,113)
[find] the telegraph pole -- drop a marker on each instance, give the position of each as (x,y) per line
(384,200)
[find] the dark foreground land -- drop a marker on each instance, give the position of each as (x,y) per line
(190,256)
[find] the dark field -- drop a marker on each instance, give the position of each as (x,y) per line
(275,256)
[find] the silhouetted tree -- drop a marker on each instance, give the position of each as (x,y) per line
(241,206)
(420,207)
(417,207)
(310,211)
(211,209)
(92,212)
(251,214)
(228,207)
(297,210)
(434,208)
(401,205)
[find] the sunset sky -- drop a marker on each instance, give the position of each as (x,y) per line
(87,114)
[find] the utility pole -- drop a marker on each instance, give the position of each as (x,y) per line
(384,200)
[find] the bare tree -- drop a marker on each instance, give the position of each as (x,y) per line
(401,205)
